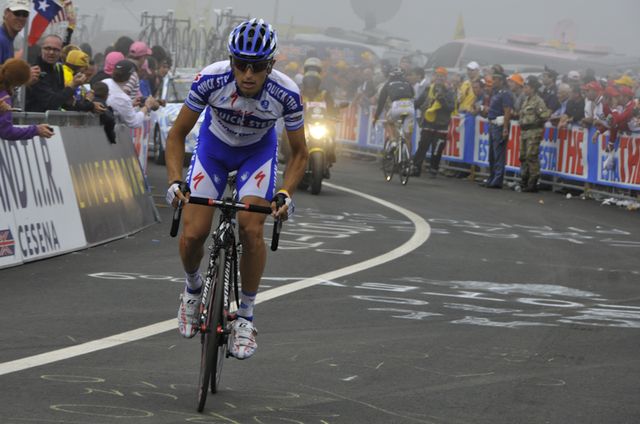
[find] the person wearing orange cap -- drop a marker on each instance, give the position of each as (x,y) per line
(436,104)
(515,82)
(488,92)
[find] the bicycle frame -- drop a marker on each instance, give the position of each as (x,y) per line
(398,161)
(222,274)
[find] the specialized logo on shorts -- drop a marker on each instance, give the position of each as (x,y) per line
(7,243)
(199,177)
(259,177)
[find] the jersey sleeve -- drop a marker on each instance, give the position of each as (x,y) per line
(294,115)
(209,80)
(293,111)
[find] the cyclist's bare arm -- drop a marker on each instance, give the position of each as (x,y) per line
(174,153)
(298,160)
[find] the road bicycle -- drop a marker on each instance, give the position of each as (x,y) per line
(396,156)
(220,287)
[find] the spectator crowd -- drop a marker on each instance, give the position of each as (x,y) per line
(125,81)
(122,82)
(578,98)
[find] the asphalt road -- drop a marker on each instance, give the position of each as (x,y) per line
(438,302)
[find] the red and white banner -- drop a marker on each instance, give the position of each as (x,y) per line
(140,137)
(454,149)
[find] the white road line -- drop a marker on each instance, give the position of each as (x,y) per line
(421,234)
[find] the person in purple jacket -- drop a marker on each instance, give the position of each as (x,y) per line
(13,74)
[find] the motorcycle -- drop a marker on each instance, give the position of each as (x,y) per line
(321,146)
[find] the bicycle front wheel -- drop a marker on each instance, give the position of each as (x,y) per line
(213,334)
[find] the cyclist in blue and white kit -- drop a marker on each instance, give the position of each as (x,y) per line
(242,98)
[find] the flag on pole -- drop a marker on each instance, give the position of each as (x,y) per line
(61,16)
(459,33)
(45,10)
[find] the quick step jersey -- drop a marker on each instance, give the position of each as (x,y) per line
(240,121)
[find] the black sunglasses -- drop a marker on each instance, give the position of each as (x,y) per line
(243,65)
(20,13)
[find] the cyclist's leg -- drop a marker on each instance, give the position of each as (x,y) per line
(256,183)
(256,186)
(207,177)
(196,227)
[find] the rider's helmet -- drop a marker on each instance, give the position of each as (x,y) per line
(396,73)
(311,80)
(254,41)
(312,64)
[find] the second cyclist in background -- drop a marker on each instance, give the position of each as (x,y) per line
(399,93)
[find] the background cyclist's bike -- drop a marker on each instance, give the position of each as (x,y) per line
(220,287)
(396,157)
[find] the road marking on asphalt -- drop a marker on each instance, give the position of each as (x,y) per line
(420,236)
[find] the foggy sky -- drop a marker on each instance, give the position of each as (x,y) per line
(427,24)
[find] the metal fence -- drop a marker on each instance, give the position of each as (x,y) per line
(191,45)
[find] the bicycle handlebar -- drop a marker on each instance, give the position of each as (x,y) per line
(226,204)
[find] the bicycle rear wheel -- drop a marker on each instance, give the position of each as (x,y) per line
(388,163)
(213,334)
(405,165)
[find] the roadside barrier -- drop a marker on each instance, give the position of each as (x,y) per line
(69,192)
(574,154)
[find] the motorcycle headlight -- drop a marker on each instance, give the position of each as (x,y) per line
(318,131)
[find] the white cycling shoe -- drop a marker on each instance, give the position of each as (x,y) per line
(188,314)
(242,340)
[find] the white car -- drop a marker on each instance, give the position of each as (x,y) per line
(175,89)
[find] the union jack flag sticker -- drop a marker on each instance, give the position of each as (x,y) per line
(7,243)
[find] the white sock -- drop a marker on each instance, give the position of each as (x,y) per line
(247,301)
(194,282)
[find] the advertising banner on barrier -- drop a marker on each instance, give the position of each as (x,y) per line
(141,137)
(625,168)
(348,127)
(513,147)
(549,151)
(572,153)
(454,149)
(39,213)
(481,145)
(111,190)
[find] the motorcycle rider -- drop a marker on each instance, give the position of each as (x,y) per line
(400,93)
(313,93)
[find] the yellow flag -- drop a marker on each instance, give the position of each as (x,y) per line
(459,34)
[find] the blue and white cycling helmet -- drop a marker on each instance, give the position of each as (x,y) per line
(253,41)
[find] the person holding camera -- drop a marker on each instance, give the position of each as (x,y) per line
(437,103)
(49,91)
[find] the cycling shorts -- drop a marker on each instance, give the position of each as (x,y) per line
(213,160)
(400,108)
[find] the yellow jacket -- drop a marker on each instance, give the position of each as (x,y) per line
(466,97)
